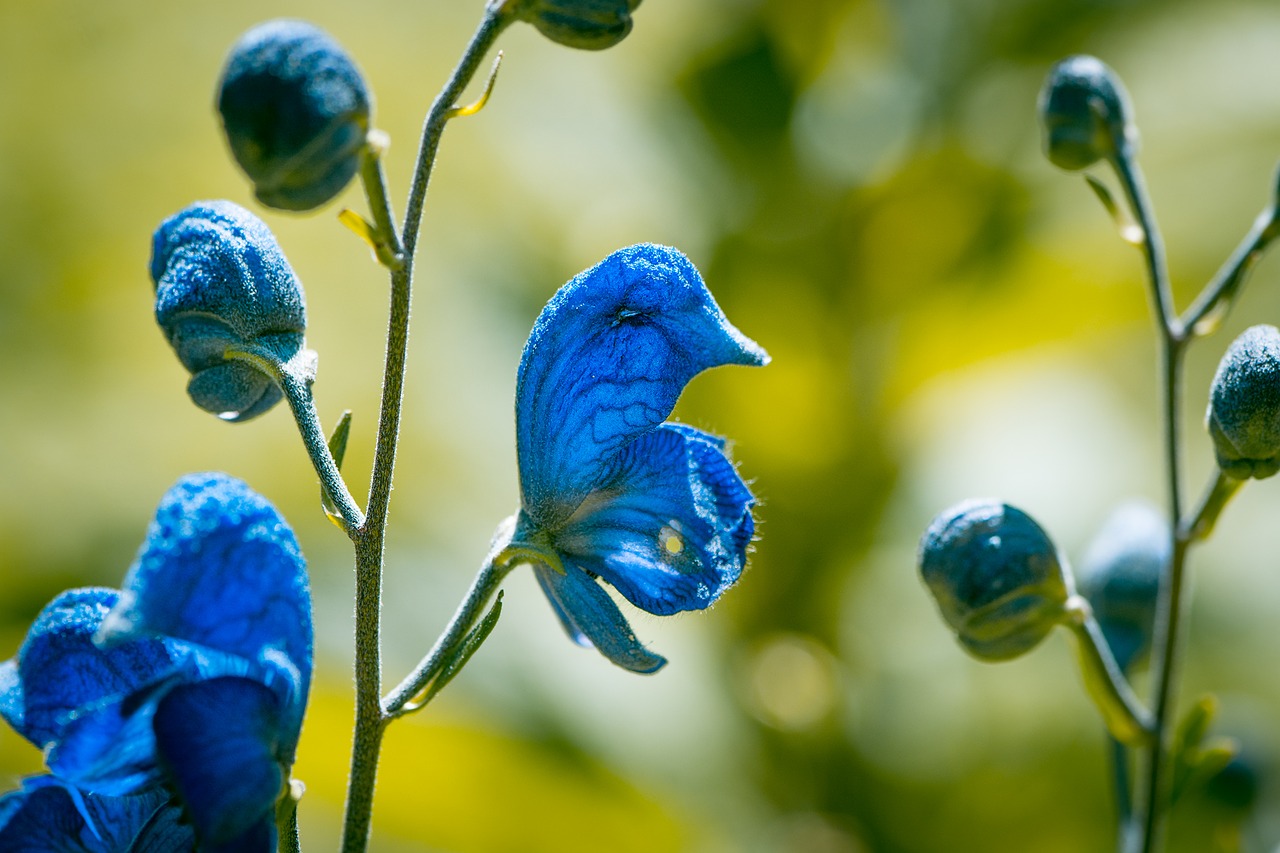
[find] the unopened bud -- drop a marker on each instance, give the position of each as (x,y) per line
(1120,575)
(585,24)
(1085,114)
(1244,405)
(996,577)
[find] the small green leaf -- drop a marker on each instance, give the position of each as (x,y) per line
(1130,231)
(337,447)
(461,655)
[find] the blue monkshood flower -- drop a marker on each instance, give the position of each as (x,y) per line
(1244,405)
(585,24)
(222,283)
(608,490)
(191,681)
(296,112)
(1085,114)
(996,577)
(1120,576)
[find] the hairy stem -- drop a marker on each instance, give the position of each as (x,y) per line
(370,721)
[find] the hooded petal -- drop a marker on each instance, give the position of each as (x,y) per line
(592,619)
(222,570)
(219,742)
(48,817)
(605,362)
(669,525)
(58,670)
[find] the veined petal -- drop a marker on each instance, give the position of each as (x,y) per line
(47,817)
(59,669)
(219,742)
(669,525)
(592,619)
(605,362)
(220,569)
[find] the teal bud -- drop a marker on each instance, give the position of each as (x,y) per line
(223,284)
(296,112)
(585,24)
(1120,576)
(1085,114)
(1244,405)
(996,577)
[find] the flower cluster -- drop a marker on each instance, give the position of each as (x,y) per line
(169,710)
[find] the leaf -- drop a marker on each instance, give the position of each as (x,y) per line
(337,447)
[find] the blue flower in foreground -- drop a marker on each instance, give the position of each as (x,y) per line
(608,490)
(223,283)
(189,683)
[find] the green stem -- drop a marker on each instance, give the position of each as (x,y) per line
(1126,718)
(1229,278)
(482,589)
(373,177)
(1122,790)
(1201,522)
(370,722)
(1135,190)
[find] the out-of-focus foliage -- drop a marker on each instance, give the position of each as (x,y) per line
(861,186)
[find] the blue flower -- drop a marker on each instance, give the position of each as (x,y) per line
(222,283)
(296,112)
(608,490)
(191,680)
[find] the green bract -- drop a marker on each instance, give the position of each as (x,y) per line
(996,577)
(1085,114)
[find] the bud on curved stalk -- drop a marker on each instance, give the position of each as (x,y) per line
(584,24)
(223,285)
(1120,576)
(1085,114)
(296,113)
(996,577)
(1244,406)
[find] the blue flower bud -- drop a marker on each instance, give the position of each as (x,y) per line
(222,283)
(1244,405)
(1085,114)
(585,24)
(996,577)
(1120,576)
(296,112)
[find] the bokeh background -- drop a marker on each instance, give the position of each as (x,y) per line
(860,182)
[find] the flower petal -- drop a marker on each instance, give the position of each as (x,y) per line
(221,569)
(592,619)
(59,669)
(48,817)
(669,525)
(605,362)
(219,742)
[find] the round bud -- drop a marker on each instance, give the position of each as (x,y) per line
(996,577)
(1085,114)
(1244,405)
(296,112)
(222,283)
(1120,575)
(585,24)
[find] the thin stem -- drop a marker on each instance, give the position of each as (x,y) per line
(1135,190)
(370,722)
(1199,525)
(1227,282)
(295,383)
(469,611)
(373,177)
(1126,718)
(1121,788)
(1169,611)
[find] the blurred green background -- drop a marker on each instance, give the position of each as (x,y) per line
(861,185)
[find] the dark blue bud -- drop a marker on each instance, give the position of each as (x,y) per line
(1085,114)
(1244,405)
(1120,576)
(296,112)
(996,577)
(222,283)
(585,24)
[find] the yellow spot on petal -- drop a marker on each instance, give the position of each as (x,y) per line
(670,541)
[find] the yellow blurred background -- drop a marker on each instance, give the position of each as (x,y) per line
(861,185)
